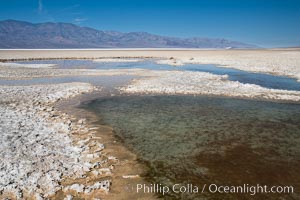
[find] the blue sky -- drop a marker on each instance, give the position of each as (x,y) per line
(268,23)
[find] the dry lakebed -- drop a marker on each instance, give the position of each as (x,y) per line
(52,148)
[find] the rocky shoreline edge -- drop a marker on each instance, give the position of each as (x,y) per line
(43,146)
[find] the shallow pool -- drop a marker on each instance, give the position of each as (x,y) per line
(202,140)
(108,82)
(264,80)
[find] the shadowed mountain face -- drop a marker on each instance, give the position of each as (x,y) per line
(19,34)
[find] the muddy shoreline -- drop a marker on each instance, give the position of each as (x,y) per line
(128,171)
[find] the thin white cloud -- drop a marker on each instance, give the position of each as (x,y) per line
(40,6)
(79,20)
(43,13)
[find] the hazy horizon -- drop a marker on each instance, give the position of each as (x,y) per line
(271,23)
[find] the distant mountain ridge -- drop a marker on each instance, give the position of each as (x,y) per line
(20,34)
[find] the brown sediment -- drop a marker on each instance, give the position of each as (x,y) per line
(241,164)
(127,172)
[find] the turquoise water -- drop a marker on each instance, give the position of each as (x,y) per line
(185,139)
(264,80)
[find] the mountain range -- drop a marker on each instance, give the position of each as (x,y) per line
(19,34)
